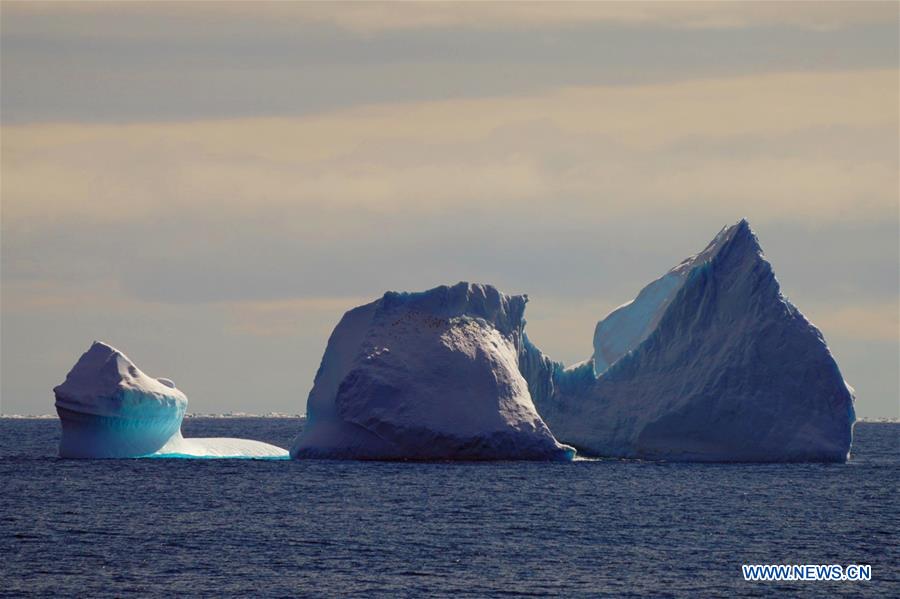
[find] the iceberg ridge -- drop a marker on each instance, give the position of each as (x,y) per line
(427,376)
(708,363)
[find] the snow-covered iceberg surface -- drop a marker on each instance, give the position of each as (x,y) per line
(110,409)
(217,447)
(427,376)
(709,363)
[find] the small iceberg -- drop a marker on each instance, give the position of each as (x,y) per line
(110,409)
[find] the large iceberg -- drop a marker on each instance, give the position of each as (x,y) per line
(427,376)
(708,363)
(110,409)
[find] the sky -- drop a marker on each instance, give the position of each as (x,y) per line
(210,186)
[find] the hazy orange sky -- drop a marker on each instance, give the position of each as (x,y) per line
(209,186)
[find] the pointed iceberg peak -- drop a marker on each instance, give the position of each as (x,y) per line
(738,236)
(738,232)
(742,227)
(708,363)
(734,246)
(628,325)
(99,346)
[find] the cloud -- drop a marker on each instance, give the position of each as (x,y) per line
(415,194)
(290,317)
(365,17)
(255,234)
(134,62)
(862,321)
(804,146)
(570,151)
(205,348)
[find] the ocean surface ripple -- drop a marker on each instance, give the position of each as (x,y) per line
(322,528)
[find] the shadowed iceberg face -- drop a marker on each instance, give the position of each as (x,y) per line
(109,408)
(709,363)
(427,376)
(91,436)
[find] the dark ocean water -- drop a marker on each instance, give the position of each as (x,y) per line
(319,528)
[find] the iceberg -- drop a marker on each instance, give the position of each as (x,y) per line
(427,376)
(110,409)
(710,362)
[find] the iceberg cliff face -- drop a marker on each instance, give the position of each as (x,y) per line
(628,325)
(427,376)
(708,363)
(110,409)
